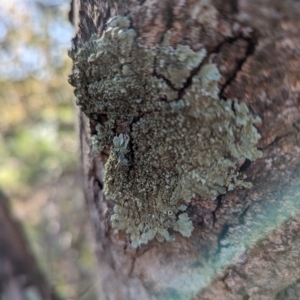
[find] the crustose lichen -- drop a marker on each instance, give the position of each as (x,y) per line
(169,141)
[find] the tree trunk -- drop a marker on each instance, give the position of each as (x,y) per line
(245,244)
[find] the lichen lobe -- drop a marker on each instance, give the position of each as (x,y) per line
(164,148)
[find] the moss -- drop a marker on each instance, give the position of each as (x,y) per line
(165,148)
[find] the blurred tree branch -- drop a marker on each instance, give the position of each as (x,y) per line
(20,276)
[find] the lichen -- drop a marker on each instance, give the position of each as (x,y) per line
(205,13)
(170,138)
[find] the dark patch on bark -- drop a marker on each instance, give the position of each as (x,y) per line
(245,165)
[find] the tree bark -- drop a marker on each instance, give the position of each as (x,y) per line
(245,244)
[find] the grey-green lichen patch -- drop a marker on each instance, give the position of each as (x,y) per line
(164,149)
(170,60)
(205,13)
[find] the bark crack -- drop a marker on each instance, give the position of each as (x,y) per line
(189,80)
(219,204)
(250,50)
(132,267)
(277,139)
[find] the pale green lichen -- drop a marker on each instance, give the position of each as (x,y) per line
(170,148)
(205,13)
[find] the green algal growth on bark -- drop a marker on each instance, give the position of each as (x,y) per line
(169,141)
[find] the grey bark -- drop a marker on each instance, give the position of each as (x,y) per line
(245,245)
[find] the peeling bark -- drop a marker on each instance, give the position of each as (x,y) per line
(245,245)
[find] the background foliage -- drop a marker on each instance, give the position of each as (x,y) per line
(38,141)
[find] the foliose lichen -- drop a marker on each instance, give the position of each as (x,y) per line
(169,140)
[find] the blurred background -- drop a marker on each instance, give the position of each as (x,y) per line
(39,170)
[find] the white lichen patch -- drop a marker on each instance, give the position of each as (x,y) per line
(173,147)
(205,13)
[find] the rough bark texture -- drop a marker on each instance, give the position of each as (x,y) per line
(245,245)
